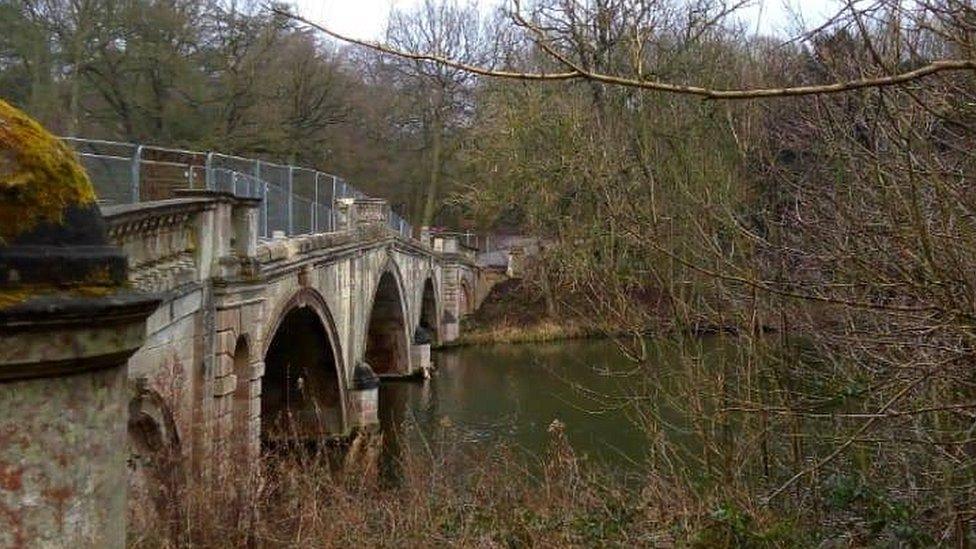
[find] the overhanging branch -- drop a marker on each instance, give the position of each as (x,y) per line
(577,72)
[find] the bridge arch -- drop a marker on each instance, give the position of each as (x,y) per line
(387,343)
(302,391)
(430,309)
(465,298)
(155,456)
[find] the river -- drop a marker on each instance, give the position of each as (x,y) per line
(511,394)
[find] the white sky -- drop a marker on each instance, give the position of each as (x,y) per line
(367,18)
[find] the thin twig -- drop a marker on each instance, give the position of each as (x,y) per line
(840,449)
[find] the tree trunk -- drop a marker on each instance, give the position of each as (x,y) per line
(435,168)
(552,308)
(78,39)
(74,98)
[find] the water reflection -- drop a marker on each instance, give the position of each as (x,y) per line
(511,394)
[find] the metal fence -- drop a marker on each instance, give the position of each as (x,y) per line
(294,200)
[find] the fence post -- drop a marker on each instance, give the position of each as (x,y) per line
(289,200)
(332,207)
(209,172)
(262,191)
(315,204)
(135,172)
(264,207)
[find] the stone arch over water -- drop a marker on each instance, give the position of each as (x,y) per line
(387,348)
(430,310)
(302,391)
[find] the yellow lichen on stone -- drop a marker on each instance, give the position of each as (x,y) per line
(12,296)
(40,176)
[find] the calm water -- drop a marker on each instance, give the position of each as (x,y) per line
(512,393)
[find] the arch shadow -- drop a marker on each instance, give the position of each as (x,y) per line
(430,310)
(465,299)
(243,360)
(387,348)
(155,459)
(303,396)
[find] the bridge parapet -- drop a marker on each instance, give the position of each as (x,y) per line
(286,248)
(173,242)
(357,212)
(453,244)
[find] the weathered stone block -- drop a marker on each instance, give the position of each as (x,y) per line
(67,455)
(225,417)
(254,389)
(252,316)
(278,250)
(226,342)
(254,408)
(225,385)
(229,319)
(187,304)
(158,319)
(420,356)
(223,366)
(223,407)
(451,332)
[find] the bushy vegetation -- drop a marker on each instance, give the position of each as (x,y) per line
(514,312)
(438,494)
(829,234)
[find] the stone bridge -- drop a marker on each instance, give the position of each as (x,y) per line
(154,342)
(256,341)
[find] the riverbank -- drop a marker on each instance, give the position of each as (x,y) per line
(480,499)
(513,314)
(540,331)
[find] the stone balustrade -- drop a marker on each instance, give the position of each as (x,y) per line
(170,243)
(357,212)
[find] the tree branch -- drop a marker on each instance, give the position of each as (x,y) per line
(580,73)
(414,56)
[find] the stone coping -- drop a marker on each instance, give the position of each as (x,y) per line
(128,213)
(270,251)
(62,310)
(57,335)
(187,201)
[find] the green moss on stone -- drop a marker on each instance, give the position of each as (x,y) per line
(40,176)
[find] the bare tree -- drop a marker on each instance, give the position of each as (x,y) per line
(443,92)
(576,69)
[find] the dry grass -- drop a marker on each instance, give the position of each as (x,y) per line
(438,496)
(537,332)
